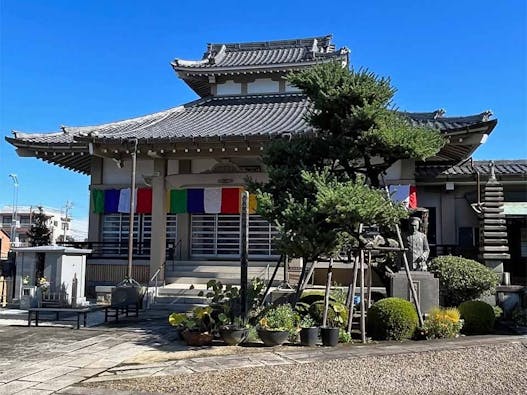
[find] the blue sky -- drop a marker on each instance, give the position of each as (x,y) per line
(87,62)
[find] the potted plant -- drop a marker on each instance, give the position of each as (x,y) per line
(330,333)
(277,324)
(196,328)
(308,331)
(225,302)
(235,332)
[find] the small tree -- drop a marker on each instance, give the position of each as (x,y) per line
(39,234)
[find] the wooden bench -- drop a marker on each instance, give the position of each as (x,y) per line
(33,313)
(113,311)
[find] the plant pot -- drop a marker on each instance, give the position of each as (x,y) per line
(178,330)
(273,338)
(197,339)
(329,336)
(233,335)
(309,336)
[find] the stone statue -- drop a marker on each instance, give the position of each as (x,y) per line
(417,245)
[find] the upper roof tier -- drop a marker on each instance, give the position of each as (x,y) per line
(277,57)
(212,121)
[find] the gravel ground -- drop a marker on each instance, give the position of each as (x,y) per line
(496,369)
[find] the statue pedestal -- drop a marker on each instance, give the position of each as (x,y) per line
(426,287)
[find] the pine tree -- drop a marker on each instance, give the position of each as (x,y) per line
(39,234)
(323,185)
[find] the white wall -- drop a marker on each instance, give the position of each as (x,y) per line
(112,175)
(264,85)
(229,88)
(201,165)
(172,166)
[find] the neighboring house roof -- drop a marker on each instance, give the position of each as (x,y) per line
(221,118)
(469,168)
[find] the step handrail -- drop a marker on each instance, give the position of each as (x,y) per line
(155,279)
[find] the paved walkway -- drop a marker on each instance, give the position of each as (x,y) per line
(53,359)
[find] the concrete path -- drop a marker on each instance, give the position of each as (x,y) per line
(54,358)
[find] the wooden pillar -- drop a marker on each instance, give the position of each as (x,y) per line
(159,219)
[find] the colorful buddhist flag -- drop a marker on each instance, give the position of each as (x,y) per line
(178,201)
(195,204)
(144,201)
(212,200)
(405,194)
(412,198)
(98,201)
(230,201)
(253,204)
(124,201)
(111,201)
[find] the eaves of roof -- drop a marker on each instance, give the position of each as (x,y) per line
(517,168)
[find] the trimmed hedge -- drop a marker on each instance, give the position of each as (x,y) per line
(391,319)
(478,317)
(462,279)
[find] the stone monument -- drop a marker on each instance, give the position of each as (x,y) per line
(425,284)
(417,246)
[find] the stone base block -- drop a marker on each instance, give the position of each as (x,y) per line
(426,286)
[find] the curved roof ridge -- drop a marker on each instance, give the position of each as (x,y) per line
(324,41)
(155,117)
(19,134)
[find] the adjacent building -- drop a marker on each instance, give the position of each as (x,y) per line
(20,220)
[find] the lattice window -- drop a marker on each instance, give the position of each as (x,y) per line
(218,235)
(115,233)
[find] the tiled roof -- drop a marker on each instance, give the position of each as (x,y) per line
(256,117)
(501,167)
(436,119)
(213,117)
(221,116)
(240,55)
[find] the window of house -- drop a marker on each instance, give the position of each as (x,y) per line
(218,235)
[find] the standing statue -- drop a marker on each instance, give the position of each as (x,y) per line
(417,245)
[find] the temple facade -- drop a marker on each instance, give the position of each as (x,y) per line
(193,161)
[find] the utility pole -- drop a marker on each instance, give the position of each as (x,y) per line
(66,219)
(15,209)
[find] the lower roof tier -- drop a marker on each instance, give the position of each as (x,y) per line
(214,120)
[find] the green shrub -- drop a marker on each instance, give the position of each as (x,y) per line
(337,314)
(442,323)
(478,317)
(280,318)
(498,312)
(313,296)
(519,317)
(391,319)
(462,279)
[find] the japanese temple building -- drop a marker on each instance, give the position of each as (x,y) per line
(193,161)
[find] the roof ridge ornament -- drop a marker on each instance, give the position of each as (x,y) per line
(492,172)
(486,115)
(439,113)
